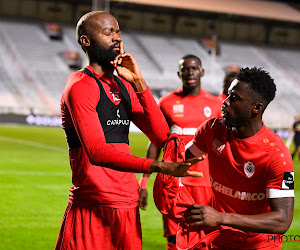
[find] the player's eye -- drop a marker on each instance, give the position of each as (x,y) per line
(232,97)
(183,70)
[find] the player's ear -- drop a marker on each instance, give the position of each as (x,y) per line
(202,72)
(179,74)
(259,107)
(84,41)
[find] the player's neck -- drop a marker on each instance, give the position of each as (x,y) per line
(247,130)
(192,92)
(103,71)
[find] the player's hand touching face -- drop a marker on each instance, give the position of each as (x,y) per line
(128,69)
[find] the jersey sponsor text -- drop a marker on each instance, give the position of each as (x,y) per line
(117,122)
(183,131)
(236,193)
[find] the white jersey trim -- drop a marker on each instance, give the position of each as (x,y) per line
(194,149)
(278,193)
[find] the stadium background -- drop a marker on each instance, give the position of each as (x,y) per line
(38,50)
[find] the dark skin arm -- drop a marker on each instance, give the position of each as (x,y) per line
(277,221)
(153,152)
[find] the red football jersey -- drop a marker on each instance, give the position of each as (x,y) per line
(184,114)
(102,173)
(245,172)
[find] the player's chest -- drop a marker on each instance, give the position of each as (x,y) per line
(189,112)
(243,163)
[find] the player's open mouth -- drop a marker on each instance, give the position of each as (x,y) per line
(190,80)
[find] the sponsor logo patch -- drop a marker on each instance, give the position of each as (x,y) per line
(178,108)
(288,180)
(117,121)
(249,169)
(183,131)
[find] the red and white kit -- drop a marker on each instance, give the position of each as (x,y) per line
(244,174)
(184,114)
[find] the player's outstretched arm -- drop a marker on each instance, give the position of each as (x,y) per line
(177,169)
(277,221)
(153,152)
(127,68)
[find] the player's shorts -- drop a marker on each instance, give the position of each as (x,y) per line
(100,228)
(201,195)
(170,227)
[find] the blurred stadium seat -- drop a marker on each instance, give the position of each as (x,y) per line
(34,68)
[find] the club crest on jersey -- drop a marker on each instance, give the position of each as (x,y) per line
(207,111)
(249,169)
(116,96)
(178,108)
(288,180)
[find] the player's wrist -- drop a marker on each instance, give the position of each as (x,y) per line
(143,182)
(155,166)
(139,84)
(223,219)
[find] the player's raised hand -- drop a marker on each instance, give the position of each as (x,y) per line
(177,169)
(127,68)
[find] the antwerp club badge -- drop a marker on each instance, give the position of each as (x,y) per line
(249,169)
(207,111)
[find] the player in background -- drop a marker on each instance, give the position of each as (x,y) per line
(229,77)
(96,109)
(296,128)
(185,109)
(251,169)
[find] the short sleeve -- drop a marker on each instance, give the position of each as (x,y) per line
(198,145)
(280,175)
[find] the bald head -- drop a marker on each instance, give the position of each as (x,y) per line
(89,23)
(99,36)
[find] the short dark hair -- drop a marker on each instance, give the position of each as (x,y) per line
(259,81)
(188,56)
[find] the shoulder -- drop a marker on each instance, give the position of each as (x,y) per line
(279,154)
(213,124)
(210,97)
(80,78)
(80,84)
(170,96)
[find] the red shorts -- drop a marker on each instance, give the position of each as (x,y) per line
(170,227)
(100,228)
